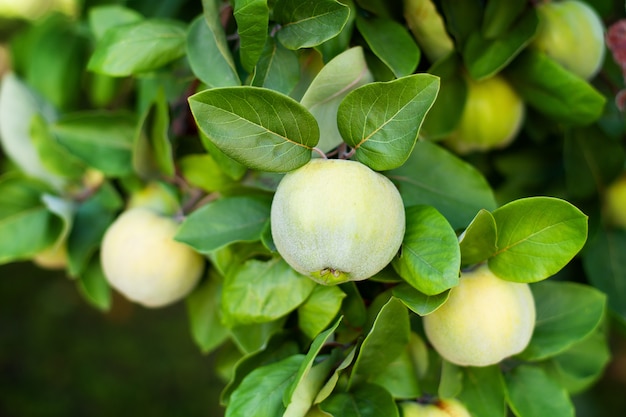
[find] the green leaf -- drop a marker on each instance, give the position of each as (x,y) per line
(451,382)
(462,19)
(258,291)
(104,17)
(500,15)
(391,42)
(279,139)
(430,258)
(486,57)
(366,400)
(591,159)
(208,53)
(203,171)
(91,220)
(232,168)
(261,391)
(54,157)
(400,377)
(102,140)
(479,241)
(580,366)
(381,120)
(341,75)
(252,18)
(567,312)
(27,226)
(152,151)
(445,115)
(554,91)
(225,221)
(18,105)
(299,396)
(387,339)
(342,42)
(319,310)
(253,337)
(94,286)
(138,47)
(531,393)
(537,236)
(417,301)
(330,385)
(203,310)
(433,176)
(483,391)
(278,68)
(273,350)
(605,265)
(308,23)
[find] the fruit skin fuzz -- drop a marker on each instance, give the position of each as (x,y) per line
(337,220)
(485,320)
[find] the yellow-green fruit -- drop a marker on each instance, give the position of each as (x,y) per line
(442,408)
(337,220)
(571,33)
(485,320)
(54,257)
(492,116)
(615,202)
(141,259)
(428,28)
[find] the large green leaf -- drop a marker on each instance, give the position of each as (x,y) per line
(430,258)
(27,225)
(317,312)
(567,313)
(605,265)
(486,57)
(462,19)
(278,68)
(532,393)
(308,23)
(152,150)
(580,366)
(261,392)
(279,139)
(436,177)
(138,47)
(366,400)
(381,120)
(417,301)
(104,17)
(208,53)
(261,291)
(483,391)
(94,286)
(554,91)
(103,140)
(225,221)
(391,42)
(400,377)
(344,73)
(252,18)
(478,241)
(500,15)
(386,340)
(203,310)
(537,236)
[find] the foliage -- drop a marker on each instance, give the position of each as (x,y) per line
(215,101)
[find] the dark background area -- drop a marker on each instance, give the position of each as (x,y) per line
(60,357)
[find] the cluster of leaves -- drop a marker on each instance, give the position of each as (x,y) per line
(217,100)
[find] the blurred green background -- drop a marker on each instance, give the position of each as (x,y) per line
(61,357)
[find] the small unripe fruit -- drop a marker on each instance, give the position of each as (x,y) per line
(485,320)
(615,202)
(492,116)
(337,220)
(141,259)
(442,408)
(571,33)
